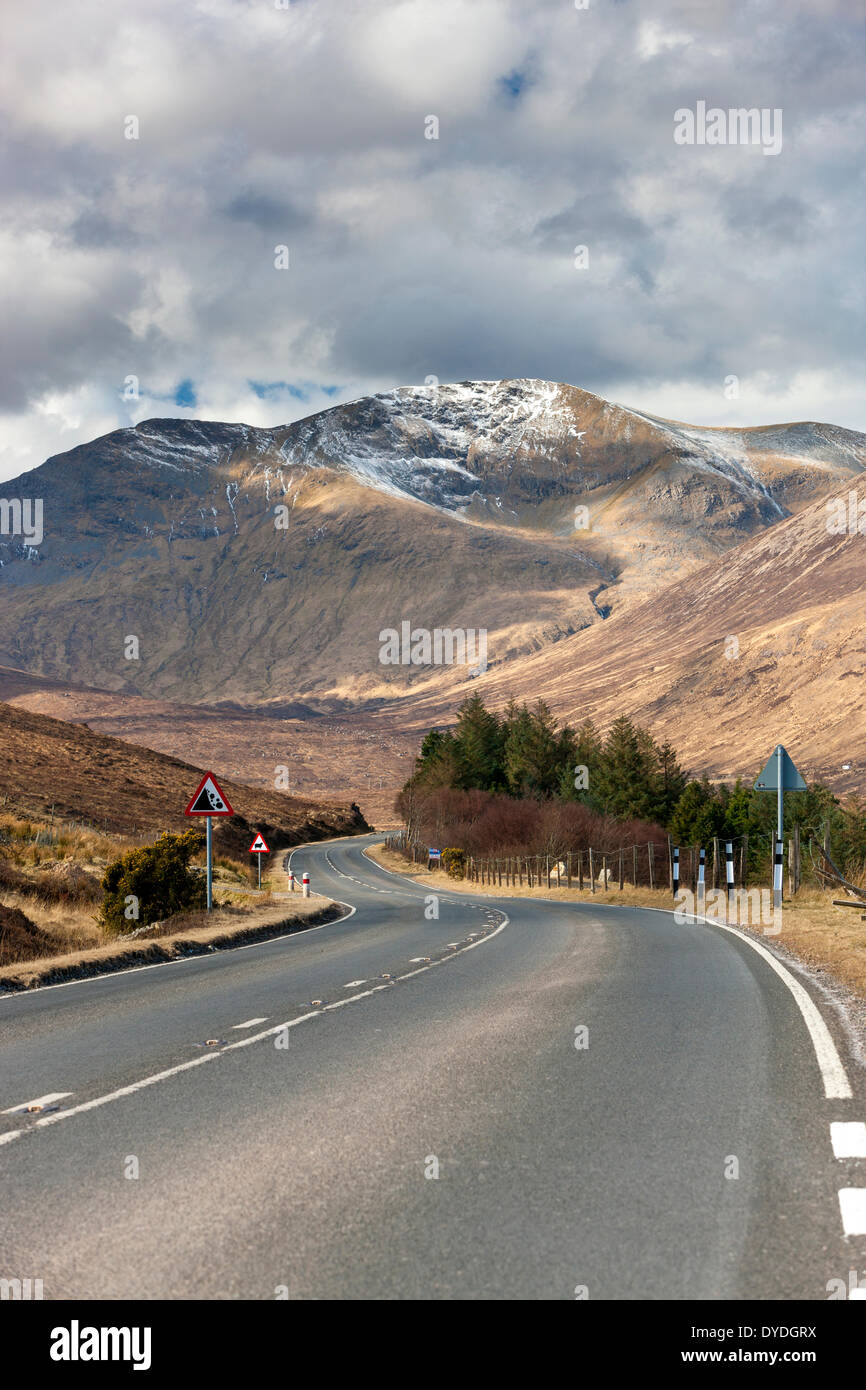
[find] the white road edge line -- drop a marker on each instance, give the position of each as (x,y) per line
(250,1023)
(833,1074)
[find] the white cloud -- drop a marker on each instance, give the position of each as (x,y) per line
(305,126)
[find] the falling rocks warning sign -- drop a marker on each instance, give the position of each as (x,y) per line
(208,799)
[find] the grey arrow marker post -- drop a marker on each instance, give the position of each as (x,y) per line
(779,775)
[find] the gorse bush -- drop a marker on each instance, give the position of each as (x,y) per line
(454,862)
(148,884)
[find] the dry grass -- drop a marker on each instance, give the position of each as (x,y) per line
(194,933)
(51,870)
(826,937)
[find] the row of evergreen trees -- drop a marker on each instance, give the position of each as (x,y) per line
(524,753)
(624,773)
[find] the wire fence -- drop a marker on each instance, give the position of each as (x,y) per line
(652,865)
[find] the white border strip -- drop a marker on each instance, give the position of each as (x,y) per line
(833,1074)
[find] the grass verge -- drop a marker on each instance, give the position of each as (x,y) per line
(189,934)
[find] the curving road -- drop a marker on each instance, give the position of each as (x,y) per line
(296,1160)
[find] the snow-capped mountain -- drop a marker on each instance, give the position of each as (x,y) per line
(528,508)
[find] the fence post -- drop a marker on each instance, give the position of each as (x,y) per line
(715,861)
(604,872)
(620,868)
(634,865)
(568,869)
(580,870)
(649,856)
(795,845)
(591,873)
(547,867)
(744,863)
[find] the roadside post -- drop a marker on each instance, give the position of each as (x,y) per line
(306,885)
(675,872)
(258,848)
(779,775)
(778,855)
(208,800)
(729,870)
(702,880)
(291,881)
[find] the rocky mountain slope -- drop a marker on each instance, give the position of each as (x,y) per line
(527,508)
(766,645)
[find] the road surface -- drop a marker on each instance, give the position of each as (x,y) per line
(299,1160)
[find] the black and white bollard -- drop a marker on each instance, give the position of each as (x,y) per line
(675,872)
(291,881)
(777,874)
(729,870)
(306,883)
(702,880)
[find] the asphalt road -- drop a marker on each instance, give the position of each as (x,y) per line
(297,1160)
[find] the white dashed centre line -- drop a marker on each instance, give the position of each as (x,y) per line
(40,1100)
(250,1023)
(848,1138)
(852,1201)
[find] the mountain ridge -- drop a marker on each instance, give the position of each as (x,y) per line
(529,509)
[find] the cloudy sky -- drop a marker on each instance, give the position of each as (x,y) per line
(306,124)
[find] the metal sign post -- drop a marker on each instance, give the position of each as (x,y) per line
(208,800)
(258,848)
(779,774)
(209,822)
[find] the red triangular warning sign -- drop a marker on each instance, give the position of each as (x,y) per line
(258,846)
(209,799)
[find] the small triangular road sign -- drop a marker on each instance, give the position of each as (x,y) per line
(768,781)
(209,799)
(258,846)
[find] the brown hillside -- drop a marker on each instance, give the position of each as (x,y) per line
(102,781)
(794,599)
